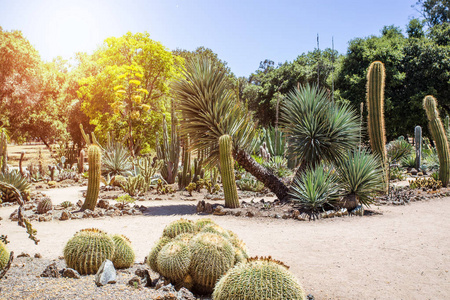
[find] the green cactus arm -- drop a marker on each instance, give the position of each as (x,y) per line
(227,170)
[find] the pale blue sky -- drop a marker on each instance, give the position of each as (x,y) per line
(243,33)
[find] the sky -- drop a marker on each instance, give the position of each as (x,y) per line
(242,32)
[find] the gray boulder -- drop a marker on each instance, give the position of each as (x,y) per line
(106,274)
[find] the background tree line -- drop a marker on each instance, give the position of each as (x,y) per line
(126,82)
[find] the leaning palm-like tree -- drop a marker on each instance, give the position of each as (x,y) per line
(209,110)
(318,129)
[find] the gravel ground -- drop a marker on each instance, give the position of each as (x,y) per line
(23,281)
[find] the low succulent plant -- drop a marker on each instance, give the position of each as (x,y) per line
(153,255)
(87,250)
(174,260)
(425,184)
(44,206)
(123,253)
(258,279)
(66,204)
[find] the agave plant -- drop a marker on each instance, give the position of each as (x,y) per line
(116,159)
(19,182)
(408,161)
(430,159)
(315,188)
(398,149)
(318,128)
(361,176)
(210,109)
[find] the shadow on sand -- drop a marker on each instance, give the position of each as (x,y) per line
(170,210)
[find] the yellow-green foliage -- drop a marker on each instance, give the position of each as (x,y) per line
(124,253)
(4,255)
(196,259)
(87,250)
(258,279)
(425,183)
(177,227)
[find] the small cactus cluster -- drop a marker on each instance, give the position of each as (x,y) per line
(425,184)
(258,279)
(4,255)
(66,204)
(89,248)
(195,254)
(44,206)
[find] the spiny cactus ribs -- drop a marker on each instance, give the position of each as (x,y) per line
(195,255)
(88,249)
(95,174)
(269,278)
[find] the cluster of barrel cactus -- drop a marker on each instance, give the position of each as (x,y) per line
(195,254)
(89,248)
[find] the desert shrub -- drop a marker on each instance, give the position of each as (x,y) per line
(361,175)
(315,188)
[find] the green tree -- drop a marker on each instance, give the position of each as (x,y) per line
(158,67)
(269,84)
(434,11)
(19,83)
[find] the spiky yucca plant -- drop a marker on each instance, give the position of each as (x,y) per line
(116,159)
(361,176)
(318,128)
(314,188)
(210,109)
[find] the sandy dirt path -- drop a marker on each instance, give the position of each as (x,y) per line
(403,253)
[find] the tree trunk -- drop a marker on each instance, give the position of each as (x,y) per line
(271,181)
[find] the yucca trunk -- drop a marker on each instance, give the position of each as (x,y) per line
(272,182)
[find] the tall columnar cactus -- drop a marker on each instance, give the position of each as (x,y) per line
(439,137)
(418,144)
(227,171)
(169,152)
(87,250)
(375,108)
(4,152)
(268,279)
(95,173)
(185,176)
